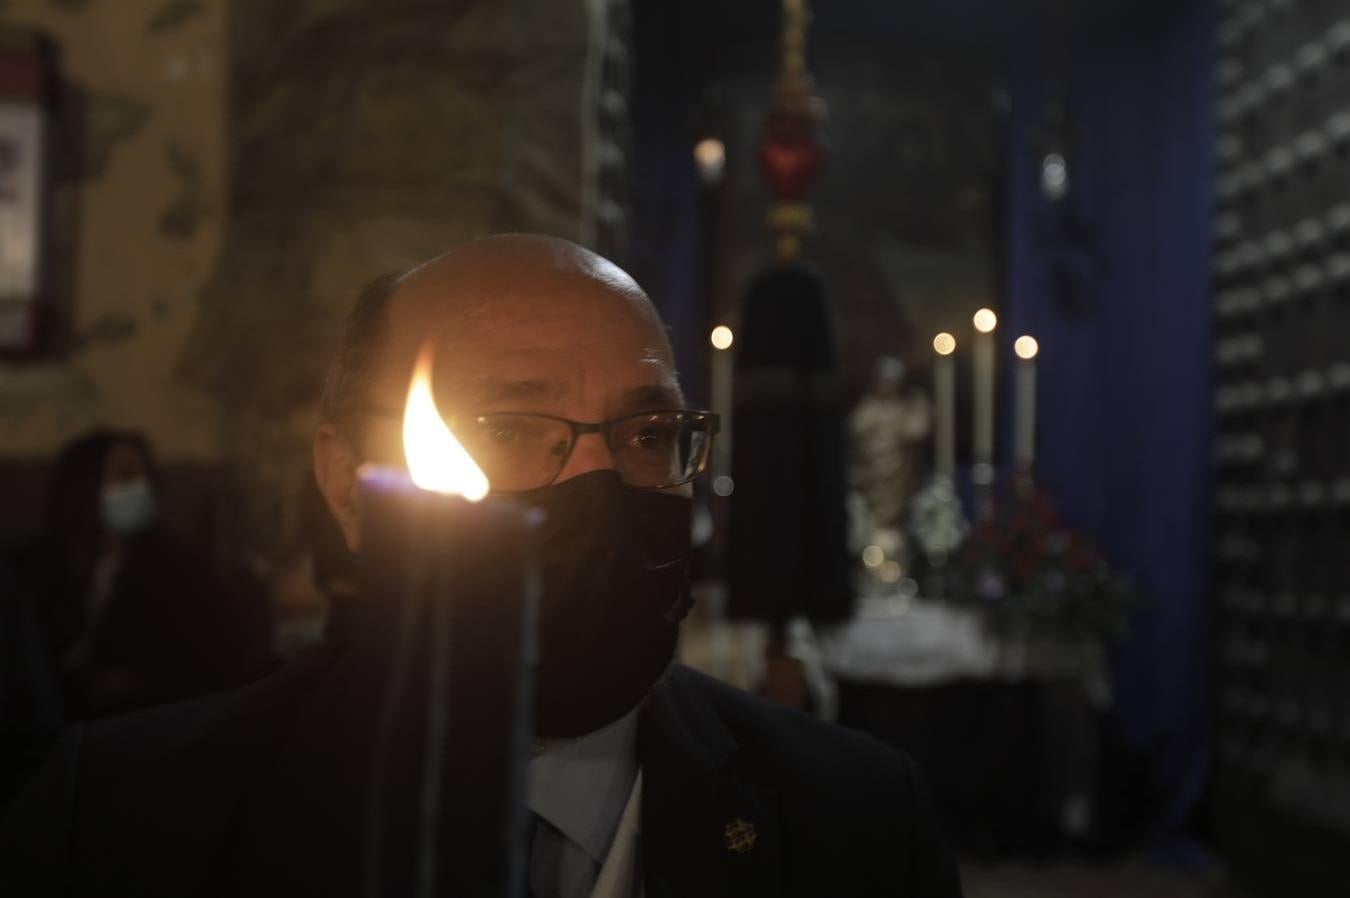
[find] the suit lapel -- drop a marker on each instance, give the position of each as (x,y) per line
(708,829)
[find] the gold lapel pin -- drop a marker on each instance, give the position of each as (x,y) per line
(739,836)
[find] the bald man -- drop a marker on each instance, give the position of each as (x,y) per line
(555,372)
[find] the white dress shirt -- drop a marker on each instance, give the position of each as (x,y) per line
(578,792)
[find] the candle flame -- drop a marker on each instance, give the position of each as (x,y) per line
(1026,347)
(944,344)
(436,460)
(722,337)
(985,321)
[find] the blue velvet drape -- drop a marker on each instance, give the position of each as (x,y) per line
(1125,395)
(1118,295)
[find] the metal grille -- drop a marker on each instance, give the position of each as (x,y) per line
(1282,400)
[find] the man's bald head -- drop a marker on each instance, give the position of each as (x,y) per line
(480,288)
(514,266)
(518,324)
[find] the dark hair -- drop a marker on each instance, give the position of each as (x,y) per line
(72,523)
(350,374)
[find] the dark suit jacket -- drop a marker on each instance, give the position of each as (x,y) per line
(245,793)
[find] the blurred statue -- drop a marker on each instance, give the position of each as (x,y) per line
(887,430)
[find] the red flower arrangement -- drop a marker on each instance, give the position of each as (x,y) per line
(1025,570)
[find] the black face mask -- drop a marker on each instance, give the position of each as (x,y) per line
(614,565)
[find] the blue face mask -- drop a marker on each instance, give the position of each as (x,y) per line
(128,507)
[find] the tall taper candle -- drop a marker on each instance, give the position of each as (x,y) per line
(722,339)
(1025,441)
(944,400)
(983,359)
(446,648)
(445,637)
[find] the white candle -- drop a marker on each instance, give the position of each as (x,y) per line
(722,338)
(1025,442)
(944,400)
(983,352)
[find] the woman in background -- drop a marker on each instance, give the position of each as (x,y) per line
(127,615)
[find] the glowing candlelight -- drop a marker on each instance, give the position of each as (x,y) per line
(985,322)
(1025,442)
(436,460)
(722,338)
(944,399)
(441,645)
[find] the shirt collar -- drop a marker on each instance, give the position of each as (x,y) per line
(581,786)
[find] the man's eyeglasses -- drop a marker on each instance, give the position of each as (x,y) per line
(518,452)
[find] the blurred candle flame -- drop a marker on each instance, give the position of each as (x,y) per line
(722,337)
(436,460)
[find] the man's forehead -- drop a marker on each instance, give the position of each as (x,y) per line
(513,268)
(527,327)
(510,324)
(501,292)
(660,392)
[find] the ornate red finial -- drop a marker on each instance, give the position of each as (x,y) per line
(790,153)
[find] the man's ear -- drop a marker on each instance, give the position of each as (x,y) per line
(335,464)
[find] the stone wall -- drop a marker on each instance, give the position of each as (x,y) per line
(367,137)
(363,136)
(145,86)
